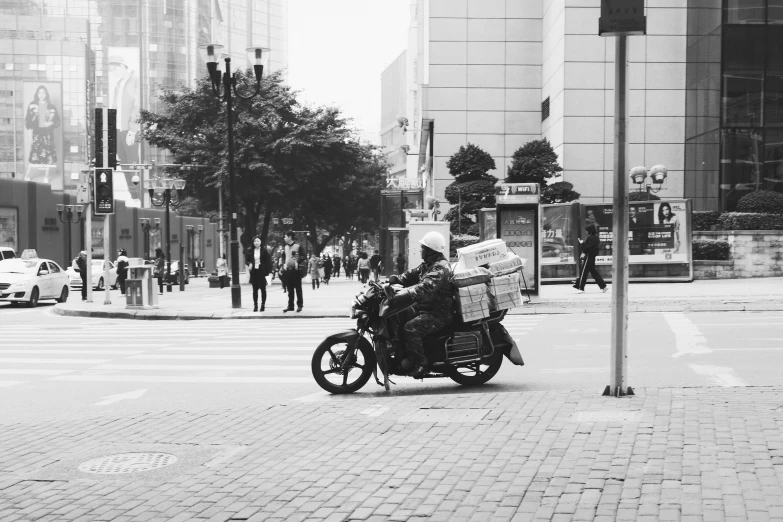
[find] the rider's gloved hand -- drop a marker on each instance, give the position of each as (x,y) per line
(394,280)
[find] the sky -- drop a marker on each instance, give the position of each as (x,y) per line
(338,50)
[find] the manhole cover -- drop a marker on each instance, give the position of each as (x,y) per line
(606,416)
(446,415)
(127,463)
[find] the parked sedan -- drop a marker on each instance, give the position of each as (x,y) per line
(30,280)
(98,281)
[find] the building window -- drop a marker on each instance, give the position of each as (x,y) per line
(545,109)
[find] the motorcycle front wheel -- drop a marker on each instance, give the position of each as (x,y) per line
(479,372)
(327,366)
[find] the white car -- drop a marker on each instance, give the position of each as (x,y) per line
(30,280)
(97,275)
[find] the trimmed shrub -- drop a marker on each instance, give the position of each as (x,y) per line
(460,242)
(708,249)
(750,221)
(705,219)
(642,196)
(761,202)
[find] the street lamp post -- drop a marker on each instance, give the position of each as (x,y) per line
(228,87)
(65,213)
(185,258)
(164,187)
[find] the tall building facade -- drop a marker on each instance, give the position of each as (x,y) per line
(704,83)
(394,121)
(135,49)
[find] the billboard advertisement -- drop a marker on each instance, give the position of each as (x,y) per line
(125,97)
(43,135)
(558,235)
(657,231)
(518,229)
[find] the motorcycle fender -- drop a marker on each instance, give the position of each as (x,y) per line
(510,348)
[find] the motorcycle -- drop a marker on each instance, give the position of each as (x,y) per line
(468,353)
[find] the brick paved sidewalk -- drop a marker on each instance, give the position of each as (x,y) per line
(707,454)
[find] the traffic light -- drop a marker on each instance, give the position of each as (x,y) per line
(112,128)
(103,195)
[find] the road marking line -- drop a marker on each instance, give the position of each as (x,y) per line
(181,379)
(7,384)
(235,349)
(688,338)
(321,396)
(734,324)
(565,371)
(197,367)
(80,352)
(111,399)
(722,375)
(51,361)
(32,371)
(760,349)
(223,357)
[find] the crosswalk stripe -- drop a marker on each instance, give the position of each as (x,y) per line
(79,352)
(238,349)
(7,384)
(32,371)
(182,379)
(21,360)
(224,357)
(198,367)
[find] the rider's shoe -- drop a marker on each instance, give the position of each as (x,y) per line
(419,371)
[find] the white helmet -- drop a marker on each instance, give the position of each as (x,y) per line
(435,241)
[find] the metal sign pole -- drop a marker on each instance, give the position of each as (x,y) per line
(619,355)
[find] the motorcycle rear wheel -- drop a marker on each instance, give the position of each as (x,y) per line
(478,373)
(327,367)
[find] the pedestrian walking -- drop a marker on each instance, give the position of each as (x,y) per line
(589,248)
(364,268)
(314,268)
(160,268)
(347,266)
(336,264)
(327,268)
(122,269)
(222,270)
(81,265)
(375,265)
(293,264)
(400,263)
(259,265)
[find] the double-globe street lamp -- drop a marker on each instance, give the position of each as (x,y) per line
(66,215)
(164,187)
(657,176)
(223,85)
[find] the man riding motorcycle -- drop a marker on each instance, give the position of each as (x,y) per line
(429,286)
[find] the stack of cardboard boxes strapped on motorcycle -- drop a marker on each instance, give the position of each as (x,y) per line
(486,279)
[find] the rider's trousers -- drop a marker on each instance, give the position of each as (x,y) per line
(419,327)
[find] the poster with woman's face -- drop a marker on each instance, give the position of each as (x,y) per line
(8,228)
(43,133)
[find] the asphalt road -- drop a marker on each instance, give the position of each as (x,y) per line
(68,367)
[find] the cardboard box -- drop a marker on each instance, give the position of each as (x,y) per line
(481,253)
(472,294)
(474,311)
(505,301)
(504,284)
(470,277)
(510,264)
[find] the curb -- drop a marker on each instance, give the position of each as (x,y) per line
(584,308)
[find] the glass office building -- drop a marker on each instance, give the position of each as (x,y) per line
(734,104)
(154,44)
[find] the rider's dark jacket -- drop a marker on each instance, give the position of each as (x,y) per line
(429,285)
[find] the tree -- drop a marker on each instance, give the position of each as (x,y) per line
(472,190)
(560,192)
(533,162)
(289,160)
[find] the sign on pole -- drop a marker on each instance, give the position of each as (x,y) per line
(622,18)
